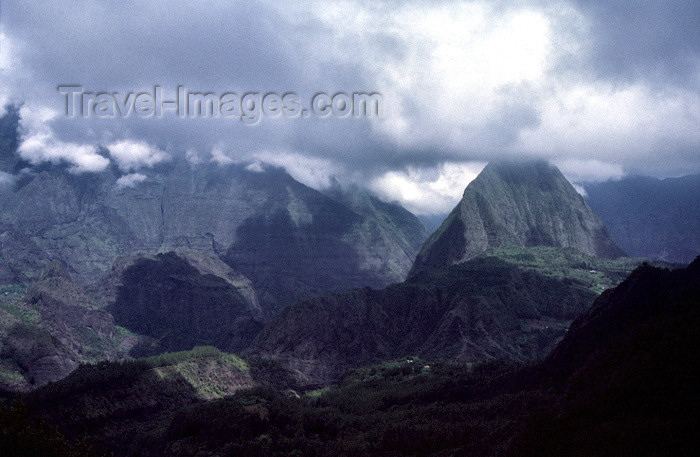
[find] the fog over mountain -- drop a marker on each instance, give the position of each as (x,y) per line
(599,90)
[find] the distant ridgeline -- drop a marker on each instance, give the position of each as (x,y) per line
(93,267)
(234,245)
(653,218)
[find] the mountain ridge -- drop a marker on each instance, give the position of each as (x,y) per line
(511,204)
(649,217)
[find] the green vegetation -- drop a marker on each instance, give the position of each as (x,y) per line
(205,368)
(174,358)
(595,273)
(622,382)
(403,368)
(10,375)
(20,312)
(12,307)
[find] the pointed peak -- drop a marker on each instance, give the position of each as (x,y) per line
(517,204)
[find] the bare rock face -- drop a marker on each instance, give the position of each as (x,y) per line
(56,327)
(516,204)
(179,306)
(292,241)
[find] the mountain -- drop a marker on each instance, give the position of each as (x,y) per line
(648,217)
(49,328)
(9,140)
(93,267)
(302,243)
(292,241)
(516,204)
(625,373)
(621,382)
(178,304)
(505,305)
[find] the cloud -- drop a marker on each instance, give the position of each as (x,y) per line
(655,40)
(632,125)
(6,180)
(578,171)
(130,180)
(39,144)
(218,156)
(193,157)
(603,88)
(133,155)
(312,171)
(427,191)
(580,189)
(255,167)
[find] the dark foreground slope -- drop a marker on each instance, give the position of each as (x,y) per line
(648,217)
(622,382)
(508,305)
(625,374)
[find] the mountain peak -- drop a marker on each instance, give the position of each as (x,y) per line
(511,204)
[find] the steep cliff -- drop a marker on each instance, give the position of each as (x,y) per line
(516,204)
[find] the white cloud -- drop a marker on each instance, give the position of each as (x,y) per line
(427,191)
(461,81)
(255,167)
(6,180)
(219,156)
(578,171)
(39,144)
(580,189)
(130,180)
(629,123)
(459,65)
(482,80)
(193,157)
(132,155)
(312,171)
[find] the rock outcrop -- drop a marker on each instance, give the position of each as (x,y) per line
(516,204)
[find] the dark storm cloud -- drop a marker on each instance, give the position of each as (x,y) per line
(606,86)
(650,39)
(242,48)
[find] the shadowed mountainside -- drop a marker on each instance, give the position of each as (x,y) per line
(621,382)
(648,217)
(292,241)
(507,305)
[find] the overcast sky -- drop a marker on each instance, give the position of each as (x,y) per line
(600,88)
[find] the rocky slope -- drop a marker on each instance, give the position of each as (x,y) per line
(112,399)
(508,305)
(622,382)
(516,204)
(48,329)
(192,254)
(648,217)
(624,374)
(178,306)
(292,241)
